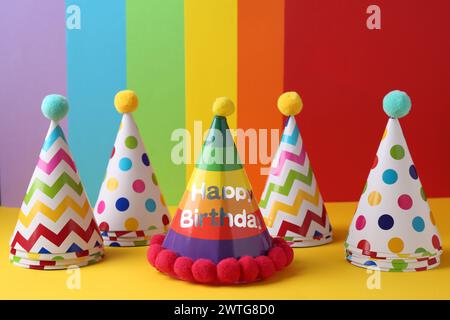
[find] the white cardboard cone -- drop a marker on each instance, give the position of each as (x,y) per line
(393,218)
(130,199)
(291,203)
(55,217)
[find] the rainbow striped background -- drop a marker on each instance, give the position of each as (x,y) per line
(178,56)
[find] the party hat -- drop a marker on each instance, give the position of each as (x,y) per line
(291,203)
(218,220)
(393,228)
(130,207)
(56,228)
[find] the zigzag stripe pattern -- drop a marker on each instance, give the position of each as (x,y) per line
(51,139)
(291,139)
(286,188)
(286,155)
(304,228)
(293,209)
(55,238)
(54,215)
(60,156)
(51,191)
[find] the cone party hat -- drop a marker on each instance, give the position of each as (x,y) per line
(393,228)
(130,207)
(56,228)
(218,234)
(291,202)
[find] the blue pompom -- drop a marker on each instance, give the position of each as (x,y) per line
(55,107)
(396,104)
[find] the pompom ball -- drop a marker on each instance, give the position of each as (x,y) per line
(152,253)
(396,104)
(126,101)
(278,257)
(204,271)
(157,239)
(266,266)
(183,268)
(55,107)
(223,107)
(249,269)
(228,271)
(290,103)
(288,252)
(165,260)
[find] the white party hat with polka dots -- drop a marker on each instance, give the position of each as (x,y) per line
(393,228)
(130,207)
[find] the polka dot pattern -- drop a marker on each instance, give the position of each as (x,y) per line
(418,224)
(374,198)
(122,204)
(112,184)
(397,152)
(396,245)
(125,164)
(360,222)
(405,202)
(131,224)
(390,176)
(145,160)
(138,186)
(385,222)
(150,205)
(413,172)
(131,142)
(101,207)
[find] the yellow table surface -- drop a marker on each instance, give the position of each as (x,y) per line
(316,273)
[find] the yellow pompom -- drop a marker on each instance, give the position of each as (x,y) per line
(223,107)
(126,101)
(290,103)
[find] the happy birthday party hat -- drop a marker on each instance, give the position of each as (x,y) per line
(56,228)
(291,203)
(218,220)
(393,228)
(130,207)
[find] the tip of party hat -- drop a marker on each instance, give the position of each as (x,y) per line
(396,104)
(54,107)
(223,107)
(126,101)
(290,103)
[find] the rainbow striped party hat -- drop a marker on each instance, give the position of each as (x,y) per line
(130,206)
(393,228)
(56,228)
(218,220)
(291,202)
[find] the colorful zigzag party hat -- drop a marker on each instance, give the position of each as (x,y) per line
(291,202)
(393,228)
(130,206)
(218,234)
(56,228)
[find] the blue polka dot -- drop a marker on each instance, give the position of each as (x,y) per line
(418,224)
(370,263)
(150,205)
(114,244)
(385,222)
(122,204)
(125,164)
(390,176)
(145,160)
(413,172)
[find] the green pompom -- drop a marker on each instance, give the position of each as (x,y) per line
(55,107)
(396,104)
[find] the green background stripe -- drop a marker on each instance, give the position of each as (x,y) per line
(155,71)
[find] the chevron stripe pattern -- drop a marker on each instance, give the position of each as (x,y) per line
(55,217)
(291,203)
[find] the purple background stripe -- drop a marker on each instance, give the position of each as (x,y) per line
(33,64)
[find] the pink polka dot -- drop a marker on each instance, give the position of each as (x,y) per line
(113,152)
(375,162)
(139,186)
(436,242)
(103,226)
(364,245)
(101,207)
(360,223)
(405,202)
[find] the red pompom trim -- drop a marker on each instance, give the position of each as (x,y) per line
(227,271)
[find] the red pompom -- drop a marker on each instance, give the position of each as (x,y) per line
(152,252)
(278,242)
(204,271)
(278,257)
(183,268)
(228,270)
(266,266)
(289,252)
(165,260)
(249,269)
(157,239)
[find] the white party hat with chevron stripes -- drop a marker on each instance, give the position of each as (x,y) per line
(55,221)
(291,203)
